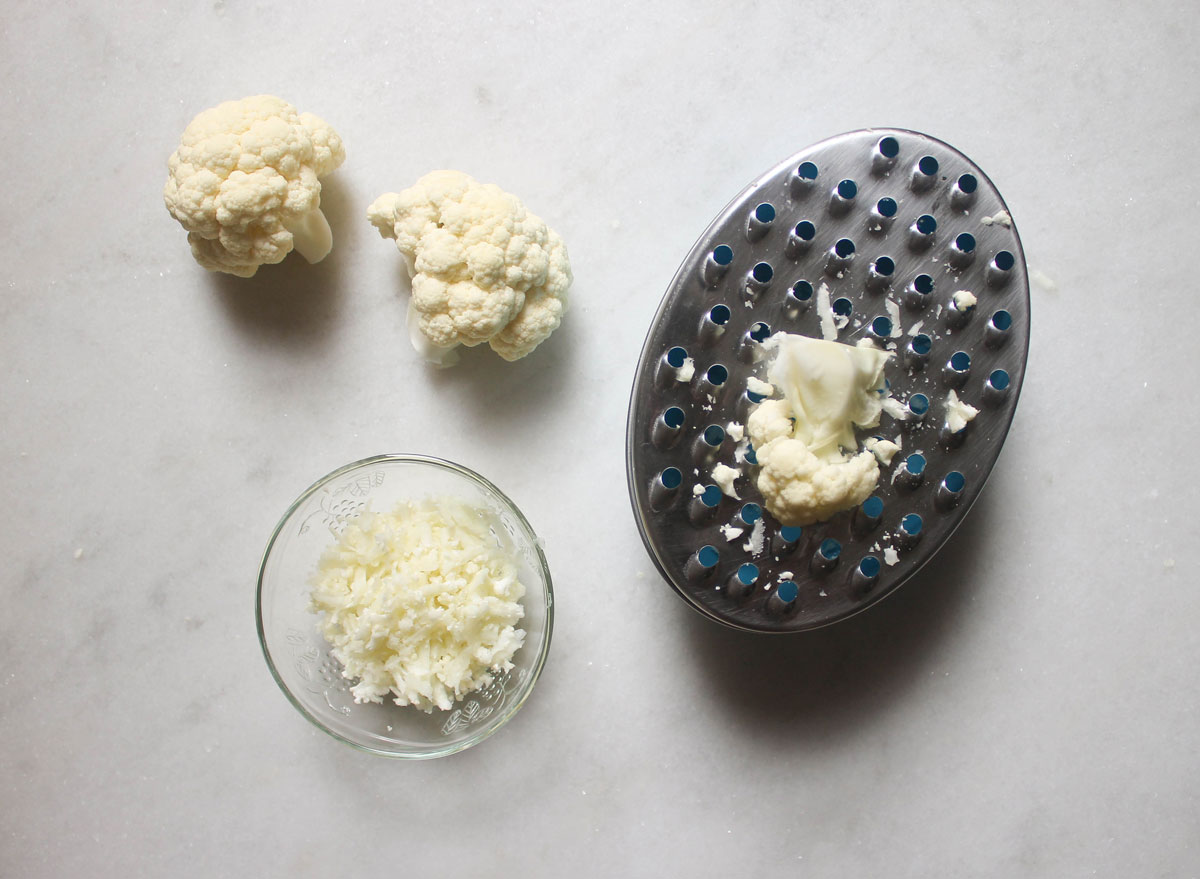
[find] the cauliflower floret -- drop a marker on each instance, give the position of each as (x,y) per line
(483,268)
(801,488)
(810,466)
(245,184)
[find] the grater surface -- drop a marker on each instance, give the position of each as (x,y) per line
(892,223)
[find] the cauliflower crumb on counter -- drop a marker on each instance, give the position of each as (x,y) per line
(422,603)
(483,268)
(810,464)
(245,184)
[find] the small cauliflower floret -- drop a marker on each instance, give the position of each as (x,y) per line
(801,489)
(483,268)
(245,184)
(810,466)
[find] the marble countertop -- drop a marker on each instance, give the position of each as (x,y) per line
(1027,706)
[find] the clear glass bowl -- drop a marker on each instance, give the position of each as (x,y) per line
(299,656)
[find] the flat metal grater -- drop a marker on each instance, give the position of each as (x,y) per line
(893,224)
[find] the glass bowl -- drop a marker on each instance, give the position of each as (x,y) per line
(298,655)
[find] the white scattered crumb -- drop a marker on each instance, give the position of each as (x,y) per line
(697,489)
(79,553)
(732,532)
(964,300)
(1001,219)
(735,431)
(893,310)
(883,450)
(758,386)
(938,311)
(1042,280)
(785,575)
(724,476)
(740,450)
(916,328)
(1169,564)
(895,408)
(890,556)
(958,413)
(823,594)
(685,372)
(825,314)
(754,545)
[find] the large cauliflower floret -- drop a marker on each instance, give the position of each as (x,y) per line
(483,268)
(245,184)
(810,465)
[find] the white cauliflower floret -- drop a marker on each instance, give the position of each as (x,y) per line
(245,184)
(483,268)
(810,466)
(801,488)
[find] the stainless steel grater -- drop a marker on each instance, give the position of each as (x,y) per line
(891,223)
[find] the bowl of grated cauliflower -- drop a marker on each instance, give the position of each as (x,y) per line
(405,606)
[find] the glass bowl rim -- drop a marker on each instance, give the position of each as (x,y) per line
(548,590)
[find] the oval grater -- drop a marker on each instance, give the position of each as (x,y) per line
(888,224)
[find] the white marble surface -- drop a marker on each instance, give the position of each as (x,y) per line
(1027,707)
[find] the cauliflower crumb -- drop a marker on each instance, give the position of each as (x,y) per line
(483,268)
(1003,218)
(732,532)
(421,603)
(686,371)
(724,476)
(883,450)
(890,556)
(735,431)
(958,413)
(758,538)
(964,300)
(756,385)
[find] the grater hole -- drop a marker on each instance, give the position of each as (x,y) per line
(807,171)
(869,567)
(960,361)
(918,405)
(912,524)
(708,556)
(787,591)
(717,374)
(954,481)
(923,284)
(926,224)
(714,435)
(674,417)
(844,248)
(886,207)
(722,254)
(1004,261)
(847,189)
(1002,320)
(915,463)
(747,574)
(760,331)
(921,344)
(999,380)
(965,242)
(801,291)
(762,273)
(790,533)
(719,314)
(677,356)
(805,230)
(750,513)
(711,496)
(888,147)
(967,183)
(765,213)
(928,165)
(881,327)
(671,478)
(843,307)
